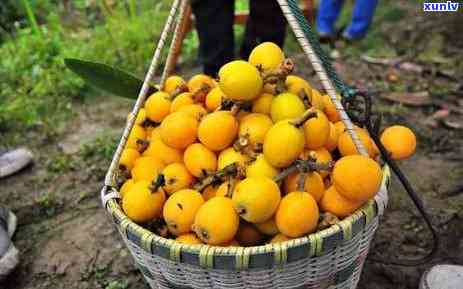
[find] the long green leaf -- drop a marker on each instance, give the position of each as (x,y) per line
(31,17)
(108,78)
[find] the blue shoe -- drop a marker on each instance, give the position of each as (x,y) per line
(326,37)
(327,15)
(351,38)
(362,17)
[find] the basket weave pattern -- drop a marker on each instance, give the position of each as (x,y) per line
(332,258)
(340,268)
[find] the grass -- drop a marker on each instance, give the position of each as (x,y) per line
(48,204)
(61,163)
(103,148)
(117,285)
(37,91)
(31,16)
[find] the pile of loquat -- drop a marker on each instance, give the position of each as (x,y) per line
(256,156)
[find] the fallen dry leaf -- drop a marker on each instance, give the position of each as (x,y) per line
(381,61)
(410,66)
(421,98)
(392,77)
(431,122)
(453,124)
(441,114)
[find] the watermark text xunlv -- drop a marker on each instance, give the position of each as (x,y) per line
(448,6)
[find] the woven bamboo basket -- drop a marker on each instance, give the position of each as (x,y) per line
(331,258)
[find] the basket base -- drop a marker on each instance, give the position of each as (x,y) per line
(338,269)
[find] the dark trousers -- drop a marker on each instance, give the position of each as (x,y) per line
(214,23)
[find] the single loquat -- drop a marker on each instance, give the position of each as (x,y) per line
(179,130)
(216,222)
(218,130)
(180,210)
(199,160)
(256,199)
(297,214)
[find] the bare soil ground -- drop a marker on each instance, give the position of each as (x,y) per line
(66,240)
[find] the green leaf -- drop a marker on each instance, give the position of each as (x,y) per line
(108,78)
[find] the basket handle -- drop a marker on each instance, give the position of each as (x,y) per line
(177,40)
(110,175)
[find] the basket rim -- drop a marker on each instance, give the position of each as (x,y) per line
(148,239)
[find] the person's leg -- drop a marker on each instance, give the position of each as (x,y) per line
(214,23)
(266,23)
(327,14)
(8,253)
(362,16)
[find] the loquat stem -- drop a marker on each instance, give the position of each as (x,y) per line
(327,220)
(204,234)
(200,94)
(304,166)
(225,105)
(235,109)
(159,227)
(179,90)
(241,211)
(143,143)
(158,183)
(280,87)
(122,176)
(31,17)
(311,166)
(242,143)
(234,106)
(124,172)
(148,122)
(306,99)
(217,177)
(231,186)
(286,67)
(308,114)
(301,182)
(285,173)
(278,76)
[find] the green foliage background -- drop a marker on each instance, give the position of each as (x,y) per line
(36,89)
